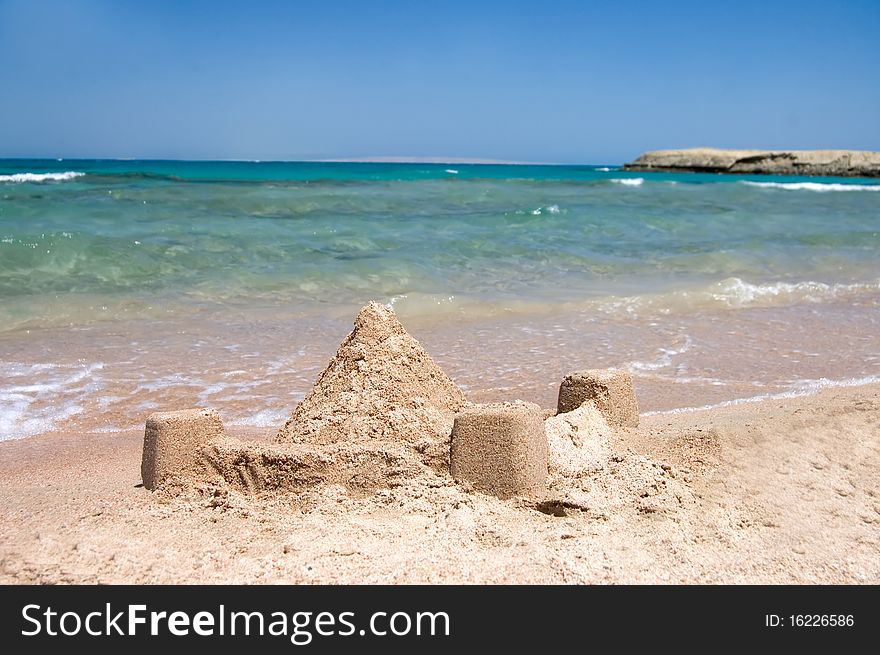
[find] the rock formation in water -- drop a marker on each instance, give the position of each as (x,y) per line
(841,163)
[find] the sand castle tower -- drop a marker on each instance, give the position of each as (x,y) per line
(380,385)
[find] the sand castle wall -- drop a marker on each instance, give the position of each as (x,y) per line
(255,468)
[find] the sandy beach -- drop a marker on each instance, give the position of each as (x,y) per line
(779,491)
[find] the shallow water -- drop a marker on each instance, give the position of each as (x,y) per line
(151,285)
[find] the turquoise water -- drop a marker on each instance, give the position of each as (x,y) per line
(83,240)
(128,287)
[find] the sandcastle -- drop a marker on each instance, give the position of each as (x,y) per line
(610,389)
(381,413)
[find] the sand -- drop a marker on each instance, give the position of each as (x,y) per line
(784,491)
(358,487)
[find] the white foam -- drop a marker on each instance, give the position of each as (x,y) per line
(663,360)
(604,169)
(210,390)
(733,293)
(390,304)
(550,209)
(452,170)
(797,389)
(264,419)
(629,181)
(39,397)
(813,186)
(41,177)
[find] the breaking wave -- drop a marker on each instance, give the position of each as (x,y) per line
(734,293)
(796,390)
(40,177)
(37,398)
(813,186)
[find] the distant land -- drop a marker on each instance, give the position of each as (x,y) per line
(840,163)
(431,160)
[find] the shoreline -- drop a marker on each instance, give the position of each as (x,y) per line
(779,491)
(254,367)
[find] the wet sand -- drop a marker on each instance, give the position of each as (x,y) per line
(781,491)
(255,366)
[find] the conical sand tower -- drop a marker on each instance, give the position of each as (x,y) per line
(380,385)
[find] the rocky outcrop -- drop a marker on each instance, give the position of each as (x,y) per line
(841,163)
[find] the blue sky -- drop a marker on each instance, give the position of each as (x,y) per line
(590,82)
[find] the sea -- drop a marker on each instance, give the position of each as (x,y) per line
(128,287)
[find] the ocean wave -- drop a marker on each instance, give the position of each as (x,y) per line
(733,293)
(821,187)
(796,390)
(663,360)
(730,294)
(39,397)
(628,181)
(451,170)
(40,177)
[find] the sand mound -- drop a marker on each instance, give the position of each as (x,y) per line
(578,441)
(589,475)
(626,481)
(381,384)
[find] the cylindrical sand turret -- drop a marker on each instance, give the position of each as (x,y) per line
(611,390)
(172,441)
(501,449)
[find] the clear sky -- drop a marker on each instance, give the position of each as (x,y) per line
(588,81)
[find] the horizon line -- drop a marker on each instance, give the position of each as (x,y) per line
(468,161)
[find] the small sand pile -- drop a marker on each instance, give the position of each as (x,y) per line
(625,481)
(589,475)
(578,441)
(380,385)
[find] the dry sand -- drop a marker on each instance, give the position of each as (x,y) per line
(779,491)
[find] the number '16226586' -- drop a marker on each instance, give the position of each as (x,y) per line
(809,620)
